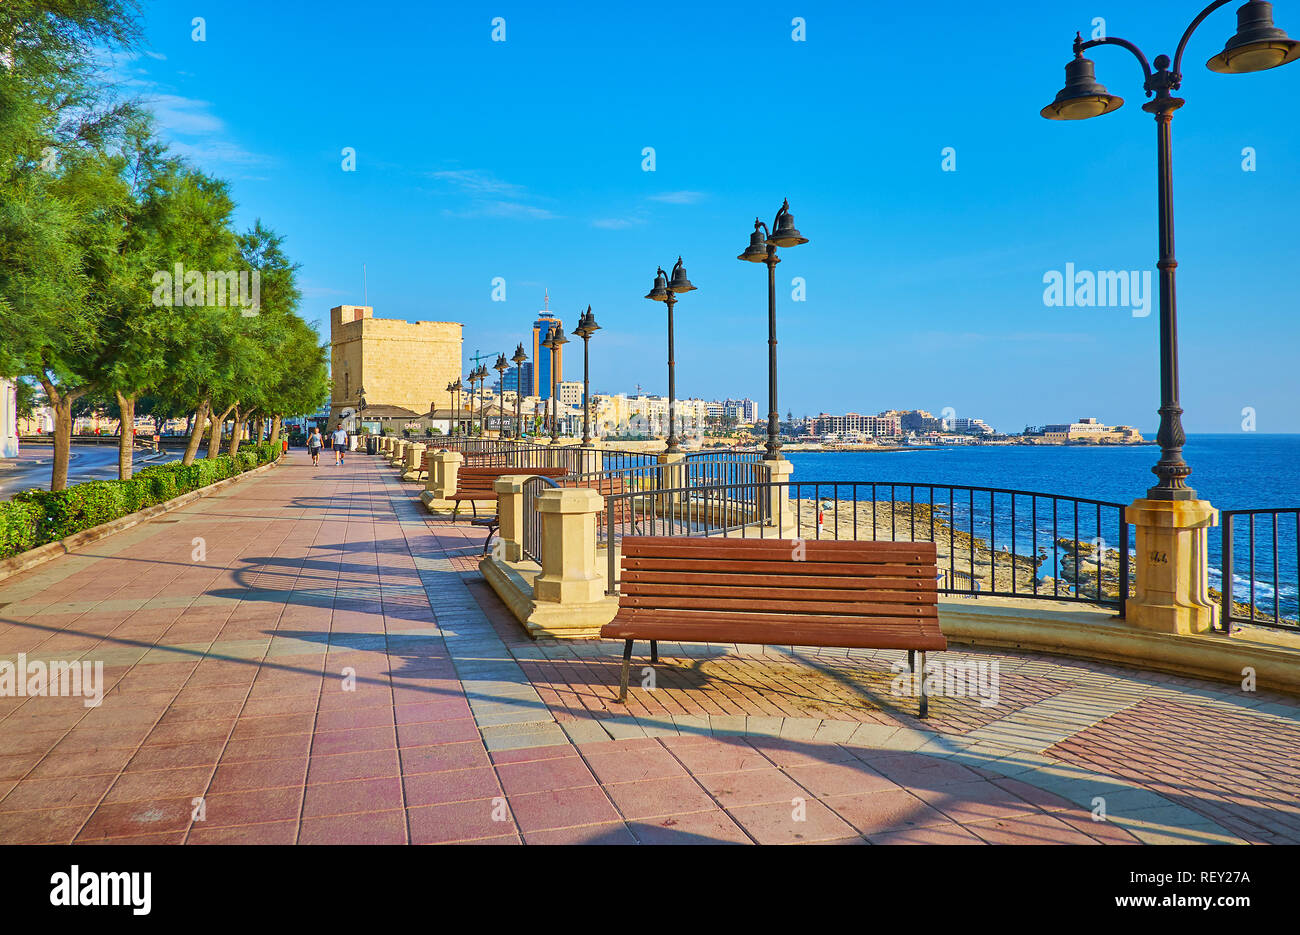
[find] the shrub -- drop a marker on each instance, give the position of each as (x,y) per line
(20,524)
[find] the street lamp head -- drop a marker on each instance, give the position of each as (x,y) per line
(756,252)
(586,324)
(1257,45)
(659,292)
(1083,96)
(679,282)
(558,336)
(520,357)
(501,366)
(785,234)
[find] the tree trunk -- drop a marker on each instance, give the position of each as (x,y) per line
(259,426)
(196,433)
(62,442)
(275,428)
(125,435)
(218,423)
(236,433)
(62,405)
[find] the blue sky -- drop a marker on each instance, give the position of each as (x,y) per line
(523,160)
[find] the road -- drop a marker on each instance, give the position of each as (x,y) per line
(31,469)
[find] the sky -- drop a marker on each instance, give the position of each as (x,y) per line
(524,161)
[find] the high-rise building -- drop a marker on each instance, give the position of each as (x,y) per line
(541,362)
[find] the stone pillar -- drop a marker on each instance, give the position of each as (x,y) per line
(441,482)
(672,476)
(569,574)
(1172,566)
(413,461)
(777,501)
(510,514)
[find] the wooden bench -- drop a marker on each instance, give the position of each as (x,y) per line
(863,595)
(478,483)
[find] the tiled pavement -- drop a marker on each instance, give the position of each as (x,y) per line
(308,658)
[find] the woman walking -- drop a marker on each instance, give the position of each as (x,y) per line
(314,444)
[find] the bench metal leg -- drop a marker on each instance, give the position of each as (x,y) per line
(654,652)
(925,701)
(627,662)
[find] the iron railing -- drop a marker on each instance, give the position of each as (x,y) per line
(531,521)
(1268,595)
(990,541)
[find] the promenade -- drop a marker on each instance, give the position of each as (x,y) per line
(306,657)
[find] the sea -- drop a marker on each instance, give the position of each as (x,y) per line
(1238,471)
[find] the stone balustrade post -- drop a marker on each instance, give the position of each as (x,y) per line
(510,515)
(1172,566)
(413,461)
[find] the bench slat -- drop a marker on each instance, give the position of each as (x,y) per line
(775,605)
(643,577)
(727,564)
(689,589)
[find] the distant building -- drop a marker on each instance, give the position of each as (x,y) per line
(969,427)
(881,426)
(8,418)
(1090,430)
(540,371)
(403,366)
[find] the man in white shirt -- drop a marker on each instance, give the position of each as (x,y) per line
(340,439)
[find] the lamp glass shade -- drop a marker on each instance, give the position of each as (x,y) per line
(1083,95)
(1257,45)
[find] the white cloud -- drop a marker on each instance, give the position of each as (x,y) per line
(489,196)
(616,224)
(679,198)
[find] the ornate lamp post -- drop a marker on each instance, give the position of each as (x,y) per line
(519,359)
(586,328)
(762,249)
(482,399)
(666,291)
(554,341)
(1256,46)
(453,390)
(501,367)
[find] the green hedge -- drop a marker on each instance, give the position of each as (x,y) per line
(35,517)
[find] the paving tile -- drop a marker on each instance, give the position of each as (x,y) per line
(886,810)
(378,827)
(783,824)
(705,827)
(651,798)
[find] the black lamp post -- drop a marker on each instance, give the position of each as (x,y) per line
(482,399)
(453,388)
(586,328)
(665,290)
(519,359)
(762,249)
(1256,46)
(501,367)
(554,341)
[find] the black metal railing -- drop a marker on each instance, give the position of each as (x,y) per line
(1265,546)
(990,541)
(531,520)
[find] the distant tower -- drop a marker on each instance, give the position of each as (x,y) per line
(541,370)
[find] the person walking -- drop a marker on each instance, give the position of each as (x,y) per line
(314,444)
(340,444)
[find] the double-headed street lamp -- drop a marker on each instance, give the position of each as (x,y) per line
(665,290)
(519,360)
(501,367)
(453,389)
(554,341)
(586,328)
(1256,46)
(482,374)
(762,249)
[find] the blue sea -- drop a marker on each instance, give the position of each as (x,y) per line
(1238,471)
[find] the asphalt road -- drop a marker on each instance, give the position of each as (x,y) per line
(31,469)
